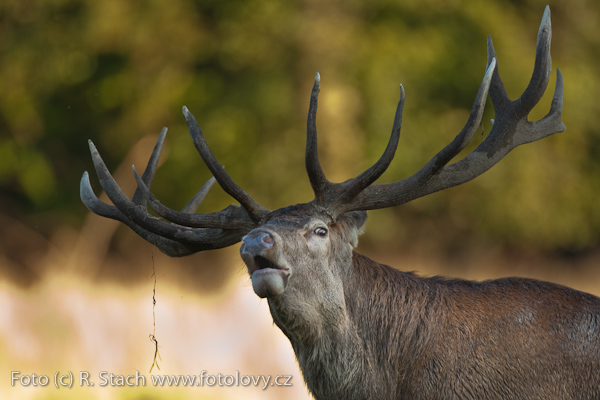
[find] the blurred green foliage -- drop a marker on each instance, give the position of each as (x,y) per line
(116,71)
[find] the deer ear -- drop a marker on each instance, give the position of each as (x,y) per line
(352,225)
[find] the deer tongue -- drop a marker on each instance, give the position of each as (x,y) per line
(269,282)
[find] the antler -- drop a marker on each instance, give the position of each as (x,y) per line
(183,232)
(180,233)
(511,128)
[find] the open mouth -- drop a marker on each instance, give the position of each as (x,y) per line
(261,262)
(268,278)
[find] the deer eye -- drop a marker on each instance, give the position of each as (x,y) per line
(320,231)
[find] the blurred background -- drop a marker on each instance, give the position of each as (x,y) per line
(77,290)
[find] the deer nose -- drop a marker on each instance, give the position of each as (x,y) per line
(257,243)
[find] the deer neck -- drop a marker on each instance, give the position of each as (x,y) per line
(342,357)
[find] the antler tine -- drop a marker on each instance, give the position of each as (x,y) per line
(542,69)
(198,198)
(316,176)
(150,170)
(497,92)
(328,194)
(352,187)
(229,186)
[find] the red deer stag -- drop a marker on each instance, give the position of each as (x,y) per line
(360,329)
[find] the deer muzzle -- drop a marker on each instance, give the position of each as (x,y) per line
(266,265)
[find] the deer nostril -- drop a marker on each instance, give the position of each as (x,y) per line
(257,243)
(267,239)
